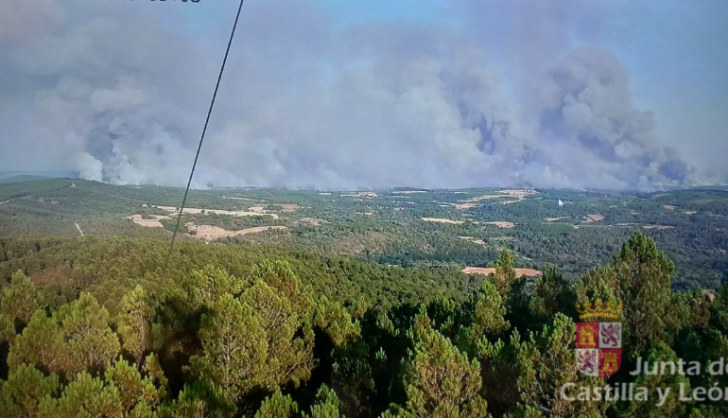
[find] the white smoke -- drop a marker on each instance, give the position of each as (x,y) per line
(118,97)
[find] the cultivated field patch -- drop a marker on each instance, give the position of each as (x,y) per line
(658,227)
(502,224)
(154,222)
(491,270)
(210,233)
(595,217)
(196,211)
(443,221)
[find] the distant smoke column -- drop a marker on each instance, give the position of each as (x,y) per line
(561,203)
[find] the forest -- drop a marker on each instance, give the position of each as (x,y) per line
(387,227)
(122,327)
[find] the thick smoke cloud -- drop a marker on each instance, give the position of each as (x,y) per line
(110,91)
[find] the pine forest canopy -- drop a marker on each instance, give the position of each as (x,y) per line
(358,308)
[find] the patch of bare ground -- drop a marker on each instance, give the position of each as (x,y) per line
(658,227)
(148,223)
(521,193)
(473,240)
(290,207)
(669,207)
(237,198)
(211,233)
(484,197)
(555,219)
(502,224)
(314,221)
(465,206)
(516,193)
(490,270)
(361,195)
(594,218)
(174,210)
(443,221)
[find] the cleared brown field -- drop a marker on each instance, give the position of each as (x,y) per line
(502,224)
(658,227)
(443,221)
(211,233)
(490,270)
(314,221)
(595,217)
(148,223)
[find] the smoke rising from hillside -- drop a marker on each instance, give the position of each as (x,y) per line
(111,92)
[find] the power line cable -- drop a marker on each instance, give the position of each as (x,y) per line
(202,137)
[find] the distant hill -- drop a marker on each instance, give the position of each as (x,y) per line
(22,178)
(39,174)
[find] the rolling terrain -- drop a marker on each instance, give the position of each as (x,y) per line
(402,227)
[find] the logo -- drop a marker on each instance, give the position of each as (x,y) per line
(598,344)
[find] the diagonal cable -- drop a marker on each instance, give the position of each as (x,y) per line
(202,137)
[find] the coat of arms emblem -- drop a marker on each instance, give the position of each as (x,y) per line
(599,343)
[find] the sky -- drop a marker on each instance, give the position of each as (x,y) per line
(339,95)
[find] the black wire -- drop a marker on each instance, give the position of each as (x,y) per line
(202,137)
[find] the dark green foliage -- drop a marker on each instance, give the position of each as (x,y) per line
(96,328)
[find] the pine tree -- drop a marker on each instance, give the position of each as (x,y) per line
(75,338)
(547,363)
(505,274)
(641,281)
(22,392)
(278,406)
(235,348)
(85,397)
(20,299)
(665,381)
(326,406)
(489,313)
(135,322)
(441,382)
(203,288)
(288,357)
(136,393)
(335,321)
(89,342)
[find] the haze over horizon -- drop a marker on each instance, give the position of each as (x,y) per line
(432,94)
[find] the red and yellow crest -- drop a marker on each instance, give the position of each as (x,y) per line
(599,344)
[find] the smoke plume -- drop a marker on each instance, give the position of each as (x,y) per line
(118,94)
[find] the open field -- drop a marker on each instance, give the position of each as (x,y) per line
(491,270)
